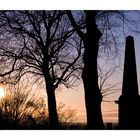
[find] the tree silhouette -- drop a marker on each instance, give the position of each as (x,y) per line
(104,76)
(93,95)
(18,107)
(42,44)
(66,116)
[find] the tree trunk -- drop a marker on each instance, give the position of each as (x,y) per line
(52,109)
(93,97)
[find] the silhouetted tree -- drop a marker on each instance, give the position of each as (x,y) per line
(106,87)
(66,116)
(93,96)
(40,43)
(18,106)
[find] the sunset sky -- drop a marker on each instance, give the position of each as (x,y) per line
(74,98)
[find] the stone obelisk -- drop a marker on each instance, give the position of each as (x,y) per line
(129,101)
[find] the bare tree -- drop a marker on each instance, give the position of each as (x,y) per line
(93,95)
(42,44)
(18,106)
(66,114)
(106,87)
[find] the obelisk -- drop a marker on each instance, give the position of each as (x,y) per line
(129,101)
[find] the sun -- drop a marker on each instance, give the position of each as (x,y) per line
(2,93)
